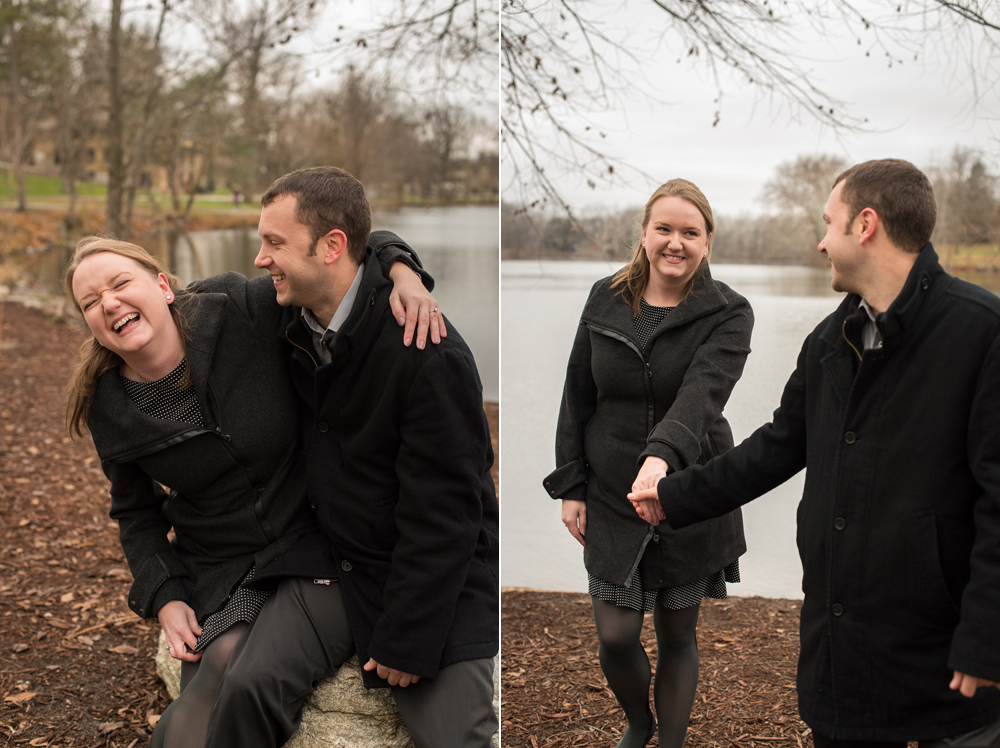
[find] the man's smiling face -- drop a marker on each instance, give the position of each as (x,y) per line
(289,254)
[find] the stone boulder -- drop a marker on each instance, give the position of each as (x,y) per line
(341,713)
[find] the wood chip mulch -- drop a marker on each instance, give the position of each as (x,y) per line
(76,665)
(554,694)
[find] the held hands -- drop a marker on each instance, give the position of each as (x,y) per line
(574,516)
(395,677)
(967,685)
(643,496)
(182,630)
(413,306)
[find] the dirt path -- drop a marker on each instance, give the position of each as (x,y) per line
(554,694)
(76,666)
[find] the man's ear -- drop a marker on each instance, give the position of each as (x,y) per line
(333,245)
(868,222)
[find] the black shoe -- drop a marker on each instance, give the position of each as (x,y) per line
(628,740)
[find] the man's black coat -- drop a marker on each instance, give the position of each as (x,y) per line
(398,459)
(899,524)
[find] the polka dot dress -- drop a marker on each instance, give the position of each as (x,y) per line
(634,596)
(165,399)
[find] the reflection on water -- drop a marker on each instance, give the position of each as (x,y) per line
(459,246)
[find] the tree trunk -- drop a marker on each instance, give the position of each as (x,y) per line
(116,166)
(15,111)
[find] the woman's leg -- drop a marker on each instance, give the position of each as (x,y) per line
(626,667)
(676,671)
(184,723)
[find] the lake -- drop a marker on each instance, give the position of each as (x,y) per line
(459,245)
(542,302)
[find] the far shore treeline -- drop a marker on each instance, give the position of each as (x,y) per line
(967,236)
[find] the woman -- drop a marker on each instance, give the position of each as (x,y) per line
(189,389)
(659,348)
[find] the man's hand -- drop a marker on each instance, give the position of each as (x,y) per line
(647,505)
(574,516)
(967,685)
(182,630)
(395,677)
(413,306)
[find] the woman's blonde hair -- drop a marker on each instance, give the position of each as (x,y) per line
(95,359)
(633,277)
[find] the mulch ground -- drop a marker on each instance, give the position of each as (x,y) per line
(554,694)
(76,666)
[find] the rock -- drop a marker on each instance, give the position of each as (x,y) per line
(341,713)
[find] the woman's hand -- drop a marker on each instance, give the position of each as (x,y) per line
(647,505)
(181,627)
(653,468)
(413,306)
(574,516)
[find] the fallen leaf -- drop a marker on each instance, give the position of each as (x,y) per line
(19,647)
(41,741)
(66,598)
(105,727)
(22,480)
(24,522)
(124,649)
(20,698)
(86,640)
(152,719)
(58,624)
(34,450)
(69,487)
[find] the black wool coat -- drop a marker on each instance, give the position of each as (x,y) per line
(622,403)
(899,523)
(238,491)
(237,484)
(398,462)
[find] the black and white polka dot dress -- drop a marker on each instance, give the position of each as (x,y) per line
(673,598)
(165,399)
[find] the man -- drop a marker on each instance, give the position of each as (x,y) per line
(894,411)
(398,460)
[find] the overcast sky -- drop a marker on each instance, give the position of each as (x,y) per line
(918,111)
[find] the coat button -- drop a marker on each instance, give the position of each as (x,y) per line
(548,484)
(312,504)
(838,609)
(656,538)
(142,612)
(925,283)
(323,428)
(839,523)
(850,437)
(346,565)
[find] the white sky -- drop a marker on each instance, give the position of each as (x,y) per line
(918,111)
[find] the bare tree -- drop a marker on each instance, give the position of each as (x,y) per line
(799,187)
(561,64)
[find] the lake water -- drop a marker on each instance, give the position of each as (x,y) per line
(459,246)
(542,302)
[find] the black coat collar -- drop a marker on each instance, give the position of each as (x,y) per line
(115,421)
(606,308)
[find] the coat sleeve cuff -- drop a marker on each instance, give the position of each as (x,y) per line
(676,437)
(567,482)
(157,582)
(665,452)
(390,249)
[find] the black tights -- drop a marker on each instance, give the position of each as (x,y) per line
(184,723)
(626,667)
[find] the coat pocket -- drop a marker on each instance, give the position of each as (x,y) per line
(934,605)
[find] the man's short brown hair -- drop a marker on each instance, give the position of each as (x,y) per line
(899,193)
(327,198)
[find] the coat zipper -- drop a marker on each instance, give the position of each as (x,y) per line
(649,427)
